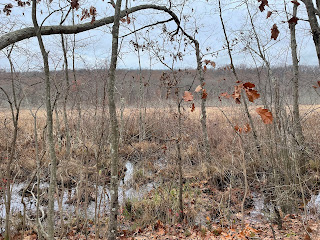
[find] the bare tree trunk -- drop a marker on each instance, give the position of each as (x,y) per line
(8,175)
(203,118)
(57,126)
(178,142)
(15,110)
(86,201)
(78,95)
(100,143)
(53,159)
(244,169)
(141,95)
(35,134)
(114,131)
(60,202)
(315,29)
(65,101)
(297,128)
(79,193)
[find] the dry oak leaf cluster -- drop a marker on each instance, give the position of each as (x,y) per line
(248,87)
(265,114)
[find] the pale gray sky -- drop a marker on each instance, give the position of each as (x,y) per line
(93,47)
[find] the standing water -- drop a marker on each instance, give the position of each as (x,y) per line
(125,192)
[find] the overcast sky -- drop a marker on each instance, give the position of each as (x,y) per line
(199,18)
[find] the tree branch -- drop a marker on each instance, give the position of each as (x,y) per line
(25,33)
(150,25)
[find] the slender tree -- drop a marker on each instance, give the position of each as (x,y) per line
(53,159)
(114,131)
(14,104)
(297,128)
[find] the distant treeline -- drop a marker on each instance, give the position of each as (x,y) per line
(158,86)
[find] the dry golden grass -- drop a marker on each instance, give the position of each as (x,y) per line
(212,112)
(161,123)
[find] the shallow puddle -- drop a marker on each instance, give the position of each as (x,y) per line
(125,192)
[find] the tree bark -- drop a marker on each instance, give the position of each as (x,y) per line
(313,21)
(53,159)
(178,142)
(15,118)
(65,101)
(203,118)
(35,134)
(114,131)
(297,128)
(15,111)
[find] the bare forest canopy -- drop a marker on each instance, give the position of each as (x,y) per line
(90,84)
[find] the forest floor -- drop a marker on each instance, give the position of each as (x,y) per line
(211,211)
(256,224)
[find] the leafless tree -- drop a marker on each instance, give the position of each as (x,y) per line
(14,103)
(53,158)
